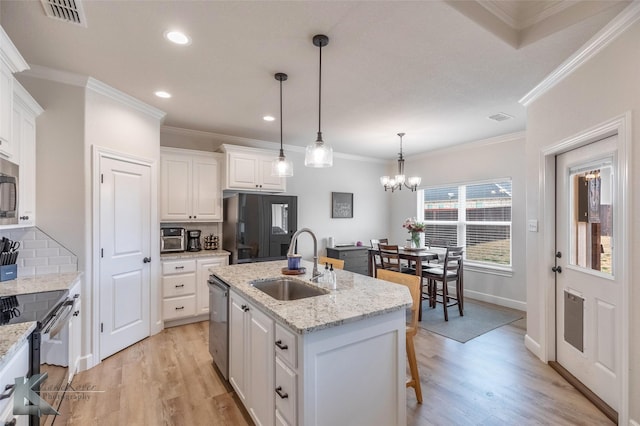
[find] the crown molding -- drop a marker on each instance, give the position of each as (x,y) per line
(115,94)
(23,97)
(509,137)
(602,39)
(257,143)
(50,74)
(10,54)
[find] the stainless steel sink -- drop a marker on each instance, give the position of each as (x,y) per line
(283,288)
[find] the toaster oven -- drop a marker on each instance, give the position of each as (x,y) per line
(172,240)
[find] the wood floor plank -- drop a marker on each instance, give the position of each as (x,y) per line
(169,379)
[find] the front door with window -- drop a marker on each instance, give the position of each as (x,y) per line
(588,283)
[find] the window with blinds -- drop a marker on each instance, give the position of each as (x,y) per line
(476,216)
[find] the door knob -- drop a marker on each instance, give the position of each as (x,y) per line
(146,260)
(557,269)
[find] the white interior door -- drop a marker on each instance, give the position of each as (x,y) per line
(125,242)
(588,283)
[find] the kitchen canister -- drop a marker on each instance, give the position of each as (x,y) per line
(330,242)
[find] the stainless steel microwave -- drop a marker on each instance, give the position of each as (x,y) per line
(172,240)
(8,192)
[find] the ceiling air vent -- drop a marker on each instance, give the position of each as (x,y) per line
(501,116)
(65,10)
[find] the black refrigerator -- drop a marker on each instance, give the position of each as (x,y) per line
(258,227)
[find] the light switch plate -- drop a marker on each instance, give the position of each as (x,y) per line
(533,225)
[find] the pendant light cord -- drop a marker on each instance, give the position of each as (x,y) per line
(320,88)
(281,151)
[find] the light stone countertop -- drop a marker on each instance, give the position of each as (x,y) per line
(357,296)
(193,254)
(11,335)
(38,283)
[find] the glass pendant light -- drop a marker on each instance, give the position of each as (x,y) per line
(319,153)
(281,166)
(400,179)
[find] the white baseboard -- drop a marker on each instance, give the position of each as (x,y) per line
(86,362)
(534,347)
(496,300)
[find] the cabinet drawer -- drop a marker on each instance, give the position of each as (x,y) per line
(178,307)
(179,285)
(286,345)
(286,391)
(178,266)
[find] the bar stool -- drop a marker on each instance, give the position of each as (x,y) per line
(412,282)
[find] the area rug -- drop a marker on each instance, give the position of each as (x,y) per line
(479,318)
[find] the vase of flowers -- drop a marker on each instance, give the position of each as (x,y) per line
(416,229)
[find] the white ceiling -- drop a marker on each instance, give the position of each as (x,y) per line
(432,69)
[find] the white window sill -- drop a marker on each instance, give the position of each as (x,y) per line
(488,269)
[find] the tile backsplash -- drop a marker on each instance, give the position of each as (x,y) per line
(39,253)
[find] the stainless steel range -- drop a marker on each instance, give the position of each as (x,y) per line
(52,310)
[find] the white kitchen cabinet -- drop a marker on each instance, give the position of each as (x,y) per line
(250,169)
(75,332)
(10,62)
(190,189)
(251,359)
(178,289)
(202,290)
(25,111)
(318,376)
(17,366)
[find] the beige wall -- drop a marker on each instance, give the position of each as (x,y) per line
(501,157)
(605,87)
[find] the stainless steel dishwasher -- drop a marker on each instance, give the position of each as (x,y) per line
(219,324)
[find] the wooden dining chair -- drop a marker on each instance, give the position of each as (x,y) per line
(377,263)
(390,258)
(412,282)
(337,263)
(451,270)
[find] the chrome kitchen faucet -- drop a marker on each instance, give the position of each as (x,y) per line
(315,274)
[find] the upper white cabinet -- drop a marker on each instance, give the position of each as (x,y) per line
(10,62)
(250,169)
(190,187)
(25,111)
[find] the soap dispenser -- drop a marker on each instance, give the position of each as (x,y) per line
(332,279)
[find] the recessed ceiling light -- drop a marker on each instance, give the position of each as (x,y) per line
(268,118)
(501,116)
(163,94)
(177,37)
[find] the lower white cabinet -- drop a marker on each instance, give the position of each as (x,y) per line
(202,290)
(354,373)
(17,366)
(178,289)
(251,358)
(185,293)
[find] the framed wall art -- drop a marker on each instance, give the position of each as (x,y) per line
(341,205)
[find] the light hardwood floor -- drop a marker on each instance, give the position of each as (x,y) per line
(168,379)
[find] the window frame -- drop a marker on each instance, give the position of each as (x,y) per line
(462,223)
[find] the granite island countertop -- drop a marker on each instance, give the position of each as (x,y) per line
(356,297)
(12,335)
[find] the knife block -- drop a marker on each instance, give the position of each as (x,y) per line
(8,272)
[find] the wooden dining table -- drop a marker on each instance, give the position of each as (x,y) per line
(417,256)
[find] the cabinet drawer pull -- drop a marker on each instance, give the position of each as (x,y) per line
(244,308)
(179,285)
(281,346)
(76,313)
(179,308)
(179,267)
(281,394)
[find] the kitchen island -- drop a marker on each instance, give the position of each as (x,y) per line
(336,358)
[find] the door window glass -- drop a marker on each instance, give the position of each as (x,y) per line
(591,217)
(279,219)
